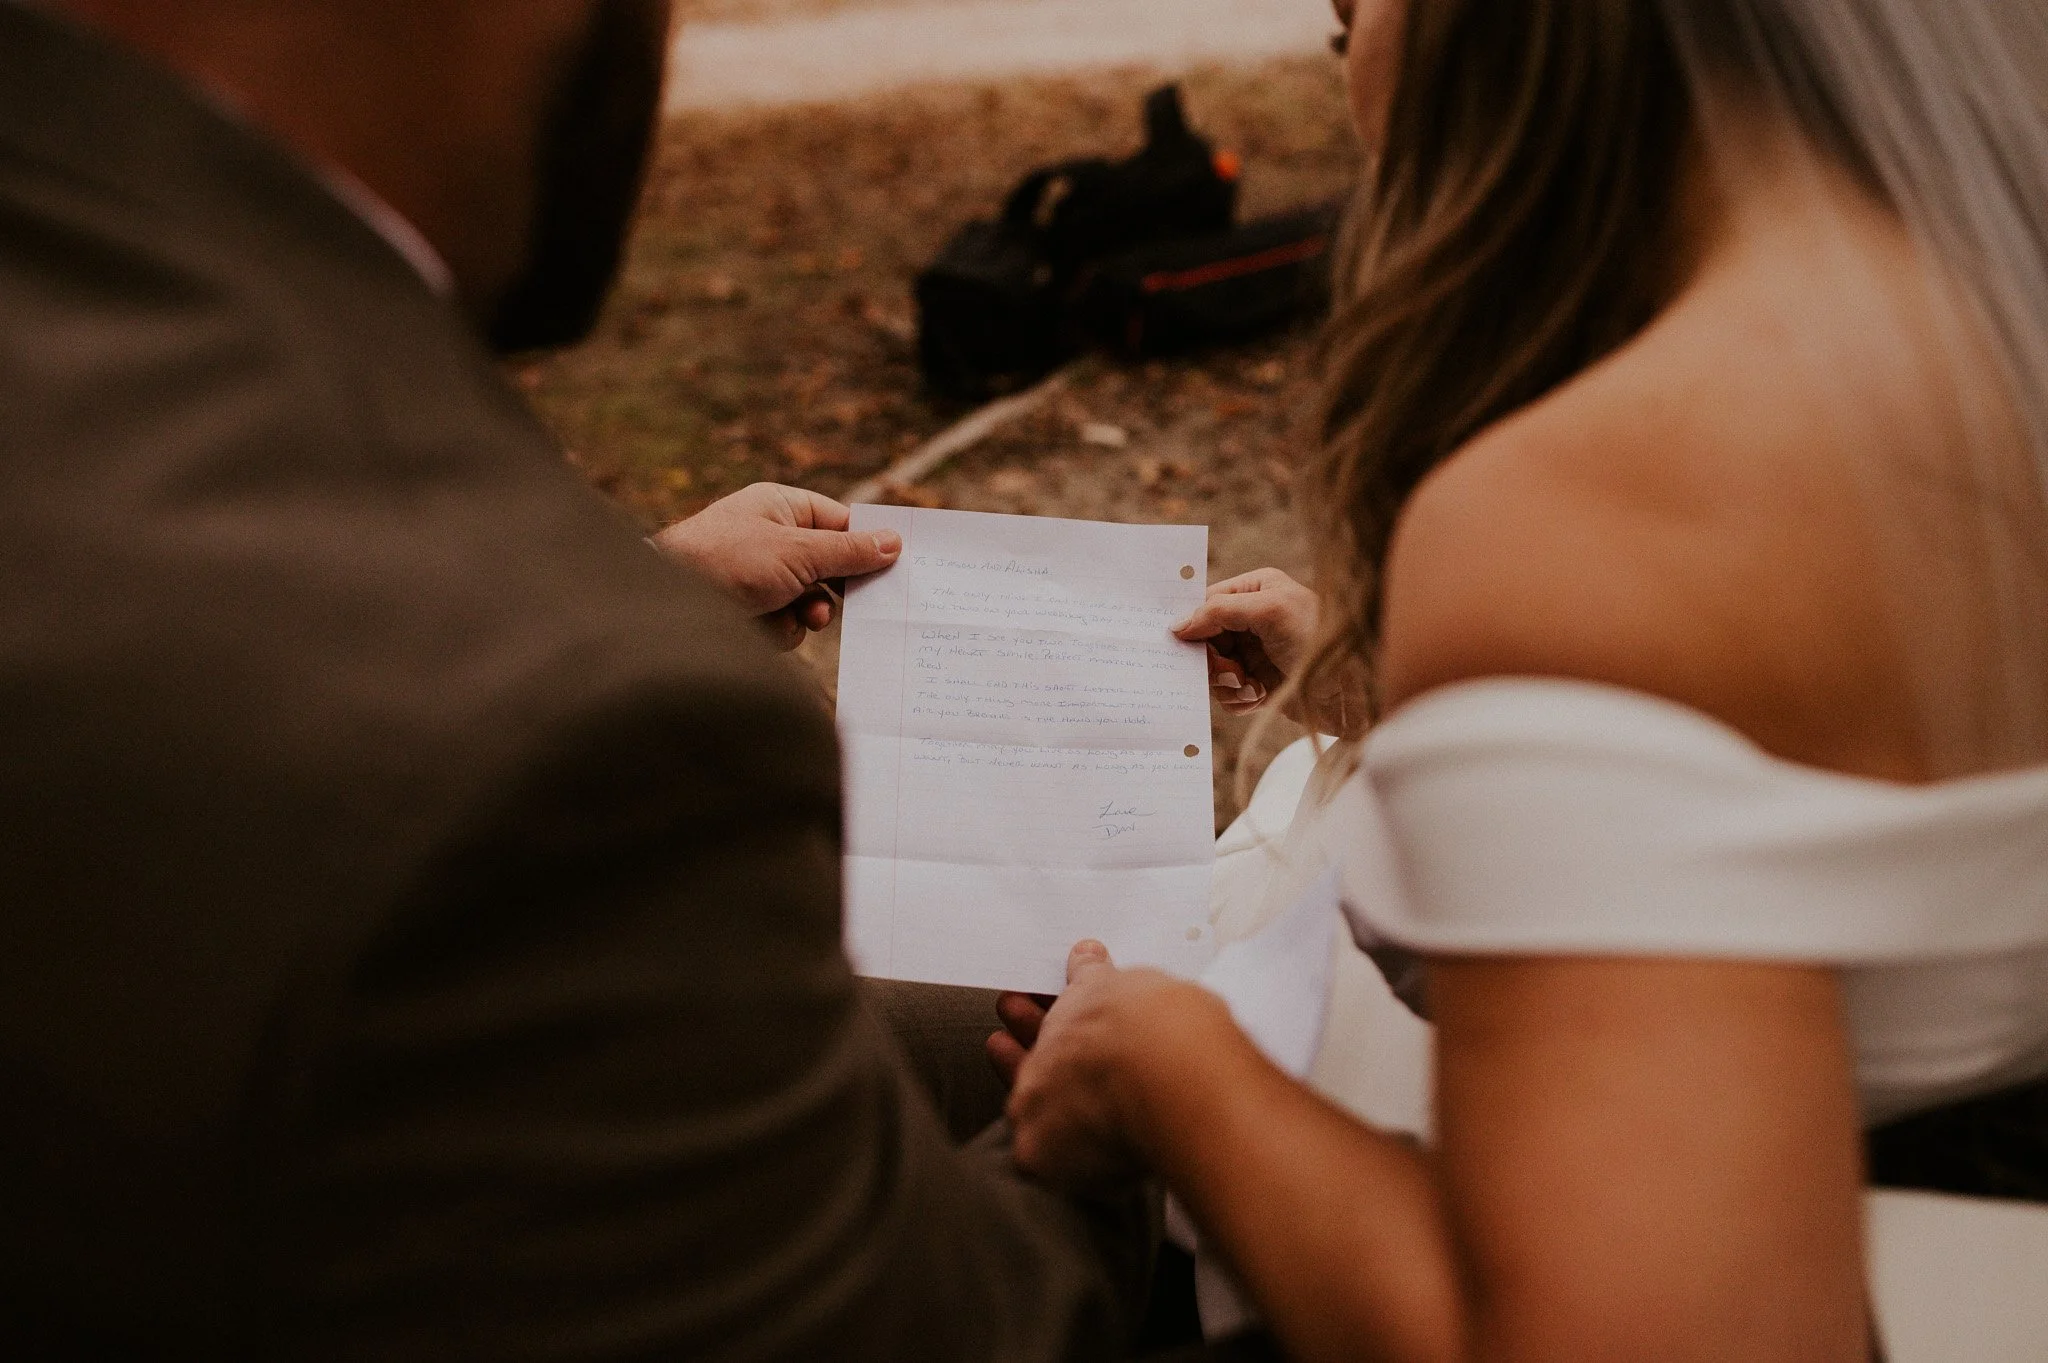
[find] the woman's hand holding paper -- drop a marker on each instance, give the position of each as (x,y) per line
(1262,629)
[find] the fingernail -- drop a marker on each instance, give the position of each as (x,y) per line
(1258,692)
(888,543)
(1226,681)
(1181,625)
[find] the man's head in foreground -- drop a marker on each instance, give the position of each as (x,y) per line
(510,133)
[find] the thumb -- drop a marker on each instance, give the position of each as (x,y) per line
(828,554)
(1087,956)
(1241,613)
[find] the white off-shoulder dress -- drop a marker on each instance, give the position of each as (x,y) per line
(1537,817)
(1549,817)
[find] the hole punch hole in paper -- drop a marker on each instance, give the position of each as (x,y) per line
(1187,572)
(1192,750)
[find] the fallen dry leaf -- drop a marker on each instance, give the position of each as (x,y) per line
(721,289)
(848,413)
(904,494)
(805,455)
(807,384)
(897,326)
(1013,483)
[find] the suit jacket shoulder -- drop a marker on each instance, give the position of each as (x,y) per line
(422,915)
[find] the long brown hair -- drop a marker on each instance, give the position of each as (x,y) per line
(1511,233)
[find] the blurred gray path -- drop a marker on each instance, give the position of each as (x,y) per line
(848,53)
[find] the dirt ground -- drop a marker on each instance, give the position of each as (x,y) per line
(763,328)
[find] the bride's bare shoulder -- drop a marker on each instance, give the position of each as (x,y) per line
(1676,520)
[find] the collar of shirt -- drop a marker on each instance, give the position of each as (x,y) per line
(391,225)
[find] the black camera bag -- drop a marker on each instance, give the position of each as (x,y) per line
(988,316)
(991,307)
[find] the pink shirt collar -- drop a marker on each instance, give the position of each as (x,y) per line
(391,225)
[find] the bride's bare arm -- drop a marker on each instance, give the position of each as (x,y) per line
(1636,1160)
(1651,1159)
(1338,1230)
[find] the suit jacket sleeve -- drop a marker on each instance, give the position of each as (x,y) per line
(601,1090)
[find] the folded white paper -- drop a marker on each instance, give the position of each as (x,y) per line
(1027,749)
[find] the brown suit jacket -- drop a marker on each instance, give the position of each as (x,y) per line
(419,921)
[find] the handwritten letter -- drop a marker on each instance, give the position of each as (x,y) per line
(1027,749)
